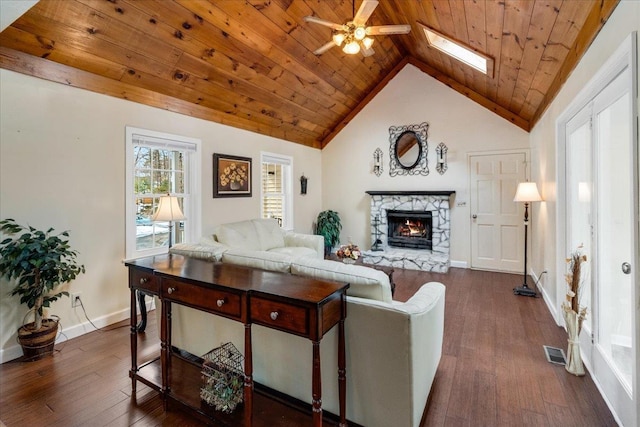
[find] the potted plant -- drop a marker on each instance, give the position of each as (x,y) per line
(39,262)
(328,225)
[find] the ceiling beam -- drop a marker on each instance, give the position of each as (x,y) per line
(48,70)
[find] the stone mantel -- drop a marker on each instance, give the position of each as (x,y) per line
(410,193)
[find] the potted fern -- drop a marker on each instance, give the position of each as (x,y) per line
(38,262)
(328,225)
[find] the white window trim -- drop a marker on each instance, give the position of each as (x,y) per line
(192,204)
(287,181)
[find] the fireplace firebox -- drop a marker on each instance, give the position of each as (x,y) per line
(409,229)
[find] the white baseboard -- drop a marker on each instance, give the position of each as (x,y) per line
(545,297)
(459,264)
(15,351)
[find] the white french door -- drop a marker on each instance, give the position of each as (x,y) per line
(601,208)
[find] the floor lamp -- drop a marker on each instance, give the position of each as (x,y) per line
(168,211)
(527,192)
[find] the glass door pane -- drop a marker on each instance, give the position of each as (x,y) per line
(579,195)
(615,237)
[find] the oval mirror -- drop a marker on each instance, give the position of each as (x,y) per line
(408,149)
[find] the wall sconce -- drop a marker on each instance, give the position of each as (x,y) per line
(441,158)
(377,162)
(303,184)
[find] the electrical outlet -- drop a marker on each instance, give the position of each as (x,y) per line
(75,300)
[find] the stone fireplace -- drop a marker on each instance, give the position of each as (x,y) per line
(412,229)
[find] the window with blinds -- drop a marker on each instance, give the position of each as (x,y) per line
(276,188)
(157,165)
(272,192)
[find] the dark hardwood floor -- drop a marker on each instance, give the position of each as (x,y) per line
(493,370)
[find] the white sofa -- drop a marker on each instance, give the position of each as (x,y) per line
(260,235)
(393,348)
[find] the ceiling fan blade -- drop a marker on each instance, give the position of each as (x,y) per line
(325,47)
(366,9)
(368,52)
(325,23)
(382,30)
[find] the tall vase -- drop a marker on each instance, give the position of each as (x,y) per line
(574,361)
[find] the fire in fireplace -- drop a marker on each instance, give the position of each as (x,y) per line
(409,229)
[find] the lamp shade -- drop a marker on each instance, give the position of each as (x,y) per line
(527,192)
(351,47)
(168,210)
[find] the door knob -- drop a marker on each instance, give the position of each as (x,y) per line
(474,216)
(626,268)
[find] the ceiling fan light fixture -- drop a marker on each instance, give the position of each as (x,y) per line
(351,48)
(359,33)
(367,42)
(338,38)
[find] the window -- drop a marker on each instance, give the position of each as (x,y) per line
(456,50)
(276,188)
(159,164)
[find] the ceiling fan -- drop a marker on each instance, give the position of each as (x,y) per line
(354,34)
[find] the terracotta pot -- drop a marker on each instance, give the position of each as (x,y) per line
(38,344)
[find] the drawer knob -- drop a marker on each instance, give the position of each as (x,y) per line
(143,280)
(220,302)
(171,290)
(274,315)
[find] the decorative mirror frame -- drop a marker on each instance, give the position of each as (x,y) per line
(421,167)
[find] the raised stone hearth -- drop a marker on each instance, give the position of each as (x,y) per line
(437,202)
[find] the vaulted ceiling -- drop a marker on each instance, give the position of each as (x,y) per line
(250,64)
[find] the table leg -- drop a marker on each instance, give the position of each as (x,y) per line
(143,312)
(342,375)
(165,356)
(248,377)
(134,342)
(316,386)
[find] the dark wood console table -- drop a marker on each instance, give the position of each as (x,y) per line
(292,304)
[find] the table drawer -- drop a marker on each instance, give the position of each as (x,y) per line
(144,279)
(280,315)
(218,301)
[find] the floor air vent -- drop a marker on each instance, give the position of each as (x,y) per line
(555,355)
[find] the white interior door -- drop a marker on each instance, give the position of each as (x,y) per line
(497,222)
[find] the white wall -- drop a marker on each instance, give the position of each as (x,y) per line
(62,165)
(545,256)
(412,97)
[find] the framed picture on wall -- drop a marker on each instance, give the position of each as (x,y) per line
(231,176)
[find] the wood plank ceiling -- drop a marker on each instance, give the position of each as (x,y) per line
(250,64)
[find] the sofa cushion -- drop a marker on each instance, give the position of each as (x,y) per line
(268,233)
(365,282)
(239,235)
(258,259)
(198,250)
(295,251)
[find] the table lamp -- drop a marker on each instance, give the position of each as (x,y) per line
(168,211)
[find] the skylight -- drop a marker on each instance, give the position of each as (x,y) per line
(444,44)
